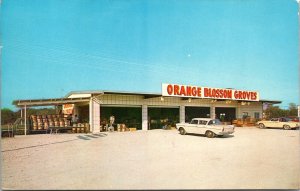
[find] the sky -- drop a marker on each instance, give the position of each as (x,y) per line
(52,47)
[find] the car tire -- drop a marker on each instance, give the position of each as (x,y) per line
(182,131)
(209,134)
(286,127)
(262,126)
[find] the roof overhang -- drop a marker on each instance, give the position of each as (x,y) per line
(84,96)
(48,102)
(104,92)
(270,101)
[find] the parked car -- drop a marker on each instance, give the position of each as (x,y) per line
(207,126)
(295,119)
(281,122)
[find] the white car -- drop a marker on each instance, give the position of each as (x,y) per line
(207,126)
(281,122)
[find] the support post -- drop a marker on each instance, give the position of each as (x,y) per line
(145,117)
(213,112)
(25,121)
(91,114)
(182,113)
(94,111)
(21,115)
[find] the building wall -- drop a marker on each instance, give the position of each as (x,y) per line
(138,100)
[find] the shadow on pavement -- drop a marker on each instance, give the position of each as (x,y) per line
(39,145)
(86,138)
(200,135)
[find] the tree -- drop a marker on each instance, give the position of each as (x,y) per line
(293,110)
(275,111)
(7,116)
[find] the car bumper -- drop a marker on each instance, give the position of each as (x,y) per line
(226,132)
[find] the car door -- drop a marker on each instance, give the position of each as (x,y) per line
(273,123)
(192,126)
(282,122)
(201,129)
(278,123)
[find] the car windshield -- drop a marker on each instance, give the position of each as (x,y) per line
(214,122)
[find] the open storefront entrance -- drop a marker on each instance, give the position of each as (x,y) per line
(194,112)
(226,114)
(130,116)
(159,117)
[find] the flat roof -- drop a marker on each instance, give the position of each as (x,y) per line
(66,99)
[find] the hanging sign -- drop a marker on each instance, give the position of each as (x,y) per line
(68,108)
(208,92)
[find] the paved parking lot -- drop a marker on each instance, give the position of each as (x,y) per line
(158,159)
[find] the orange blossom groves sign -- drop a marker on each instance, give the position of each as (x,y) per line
(208,92)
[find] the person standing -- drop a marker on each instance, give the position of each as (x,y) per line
(69,118)
(75,119)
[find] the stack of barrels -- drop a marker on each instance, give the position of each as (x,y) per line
(81,128)
(42,122)
(122,128)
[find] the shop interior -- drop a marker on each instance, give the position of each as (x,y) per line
(158,118)
(196,112)
(130,116)
(226,114)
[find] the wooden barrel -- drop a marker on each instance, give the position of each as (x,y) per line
(40,127)
(46,125)
(74,130)
(82,130)
(78,129)
(34,126)
(61,124)
(51,123)
(56,123)
(67,123)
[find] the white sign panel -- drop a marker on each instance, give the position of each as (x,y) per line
(208,92)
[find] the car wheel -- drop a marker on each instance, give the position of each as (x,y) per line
(182,131)
(262,126)
(209,134)
(286,127)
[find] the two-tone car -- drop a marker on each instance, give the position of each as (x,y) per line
(281,122)
(206,126)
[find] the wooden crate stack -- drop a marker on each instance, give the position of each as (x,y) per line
(248,122)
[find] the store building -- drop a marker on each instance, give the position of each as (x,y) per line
(146,111)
